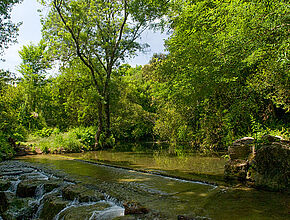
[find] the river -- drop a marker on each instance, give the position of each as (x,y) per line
(170,185)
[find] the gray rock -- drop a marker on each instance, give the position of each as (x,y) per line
(271,169)
(236,169)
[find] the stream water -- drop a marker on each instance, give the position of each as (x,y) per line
(172,197)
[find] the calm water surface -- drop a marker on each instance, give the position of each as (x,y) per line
(188,166)
(169,196)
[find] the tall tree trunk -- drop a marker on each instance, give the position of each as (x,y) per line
(100,123)
(107,102)
(108,115)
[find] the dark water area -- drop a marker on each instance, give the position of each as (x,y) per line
(169,196)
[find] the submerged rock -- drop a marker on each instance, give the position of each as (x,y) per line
(81,193)
(52,184)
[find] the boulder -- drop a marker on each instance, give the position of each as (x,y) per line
(267,166)
(271,168)
(236,169)
(244,141)
(81,193)
(241,148)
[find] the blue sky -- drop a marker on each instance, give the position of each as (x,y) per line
(30,32)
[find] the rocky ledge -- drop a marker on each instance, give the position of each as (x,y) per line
(264,163)
(27,192)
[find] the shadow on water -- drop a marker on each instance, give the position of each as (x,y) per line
(169,196)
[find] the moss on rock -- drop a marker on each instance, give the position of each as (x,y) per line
(52,205)
(81,193)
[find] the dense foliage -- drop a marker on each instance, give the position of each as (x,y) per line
(9,123)
(8,30)
(225,76)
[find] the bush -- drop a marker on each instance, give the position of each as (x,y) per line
(86,135)
(46,132)
(6,150)
(62,142)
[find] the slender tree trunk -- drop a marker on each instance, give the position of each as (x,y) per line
(100,123)
(107,102)
(108,115)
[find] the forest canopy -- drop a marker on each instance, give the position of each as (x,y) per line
(225,73)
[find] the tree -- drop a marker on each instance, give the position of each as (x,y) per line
(227,61)
(34,66)
(8,30)
(101,34)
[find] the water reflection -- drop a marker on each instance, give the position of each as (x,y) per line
(159,158)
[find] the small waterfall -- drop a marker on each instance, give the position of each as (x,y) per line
(39,192)
(109,213)
(109,198)
(74,203)
(39,202)
(13,186)
(106,214)
(37,214)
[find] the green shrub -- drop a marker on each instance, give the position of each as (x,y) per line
(46,132)
(62,142)
(86,135)
(6,150)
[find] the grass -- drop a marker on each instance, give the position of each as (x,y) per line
(57,143)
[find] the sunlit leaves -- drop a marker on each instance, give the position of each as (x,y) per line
(8,30)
